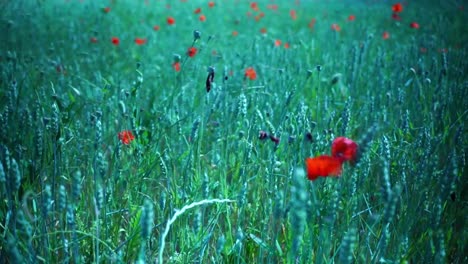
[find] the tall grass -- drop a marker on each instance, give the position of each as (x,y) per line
(72,192)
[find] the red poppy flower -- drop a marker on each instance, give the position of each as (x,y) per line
(397,8)
(93,40)
(170,21)
(235,33)
(115,41)
(106,9)
(192,51)
(293,14)
(286,45)
(140,41)
(351,17)
(414,25)
(156,28)
(277,43)
(250,73)
(335,27)
(263,30)
(197,11)
(323,166)
(202,18)
(176,66)
(386,35)
(344,149)
(126,137)
(211,4)
(254,6)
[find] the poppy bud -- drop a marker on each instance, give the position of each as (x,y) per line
(177,57)
(196,34)
(335,78)
(262,135)
(309,73)
(319,68)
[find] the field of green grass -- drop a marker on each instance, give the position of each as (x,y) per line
(176,131)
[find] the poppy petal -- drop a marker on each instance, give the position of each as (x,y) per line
(344,148)
(323,166)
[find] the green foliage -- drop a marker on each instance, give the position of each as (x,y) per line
(73,191)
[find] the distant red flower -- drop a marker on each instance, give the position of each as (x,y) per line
(202,18)
(126,137)
(422,49)
(344,148)
(395,16)
(140,41)
(176,66)
(115,41)
(273,7)
(235,33)
(397,8)
(263,30)
(286,45)
(386,35)
(197,11)
(211,4)
(170,21)
(277,43)
(442,50)
(335,27)
(93,40)
(192,51)
(106,9)
(414,25)
(351,17)
(312,23)
(250,73)
(156,28)
(254,6)
(323,166)
(293,14)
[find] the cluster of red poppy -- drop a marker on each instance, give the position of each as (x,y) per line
(343,149)
(397,9)
(278,43)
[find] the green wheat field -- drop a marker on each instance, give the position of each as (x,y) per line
(176,131)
